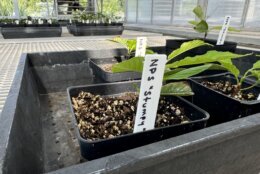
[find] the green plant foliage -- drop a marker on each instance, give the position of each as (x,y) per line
(210,56)
(177,89)
(186,46)
(198,11)
(133,64)
(202,26)
(129,44)
(186,73)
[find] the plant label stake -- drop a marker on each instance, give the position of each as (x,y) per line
(149,95)
(141,43)
(223,31)
(258,98)
(49,21)
(70,21)
(17,22)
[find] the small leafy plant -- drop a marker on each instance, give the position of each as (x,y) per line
(130,45)
(201,26)
(177,70)
(90,17)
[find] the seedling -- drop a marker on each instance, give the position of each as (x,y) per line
(201,26)
(130,45)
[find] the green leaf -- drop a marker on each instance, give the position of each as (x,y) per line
(233,29)
(133,64)
(198,11)
(256,73)
(201,27)
(210,56)
(186,46)
(170,72)
(186,73)
(193,22)
(177,89)
(120,40)
(256,65)
(149,51)
(229,28)
(230,67)
(131,44)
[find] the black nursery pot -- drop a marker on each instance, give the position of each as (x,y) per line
(221,107)
(172,44)
(95,64)
(96,149)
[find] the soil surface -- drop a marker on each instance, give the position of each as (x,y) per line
(230,90)
(106,117)
(107,67)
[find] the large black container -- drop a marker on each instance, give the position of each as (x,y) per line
(172,44)
(95,64)
(31,31)
(221,107)
(93,30)
(95,149)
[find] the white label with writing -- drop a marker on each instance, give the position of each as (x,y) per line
(223,31)
(141,43)
(149,95)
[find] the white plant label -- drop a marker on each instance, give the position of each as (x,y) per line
(223,32)
(49,21)
(141,43)
(29,22)
(149,95)
(17,22)
(70,21)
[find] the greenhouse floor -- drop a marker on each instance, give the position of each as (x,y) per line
(11,50)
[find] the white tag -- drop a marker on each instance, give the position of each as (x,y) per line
(150,92)
(17,22)
(223,31)
(39,21)
(50,21)
(83,21)
(258,98)
(29,22)
(70,21)
(140,46)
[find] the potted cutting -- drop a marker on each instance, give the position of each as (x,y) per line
(103,67)
(201,26)
(85,23)
(104,113)
(228,96)
(31,28)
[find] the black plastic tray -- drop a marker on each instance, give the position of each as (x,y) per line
(31,32)
(96,149)
(109,76)
(221,107)
(78,30)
